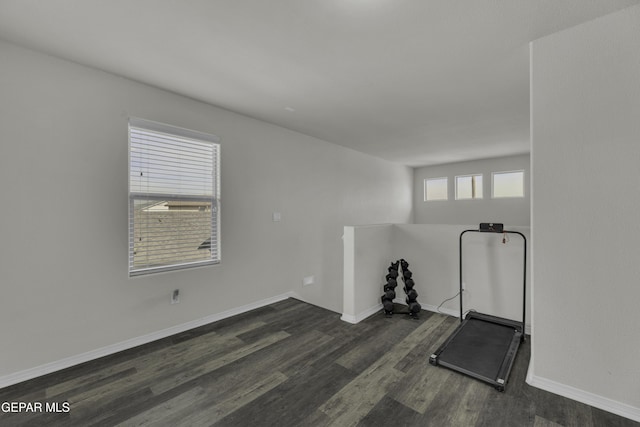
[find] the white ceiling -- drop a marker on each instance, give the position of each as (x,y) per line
(413,81)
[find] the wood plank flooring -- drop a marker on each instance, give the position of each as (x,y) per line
(294,364)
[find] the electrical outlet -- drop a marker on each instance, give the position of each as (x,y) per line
(309,280)
(464,286)
(175,297)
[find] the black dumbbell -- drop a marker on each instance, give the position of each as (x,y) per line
(414,309)
(408,284)
(407,274)
(412,296)
(388,307)
(392,275)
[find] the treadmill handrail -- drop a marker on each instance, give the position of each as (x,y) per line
(524,270)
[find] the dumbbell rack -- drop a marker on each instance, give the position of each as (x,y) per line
(394,271)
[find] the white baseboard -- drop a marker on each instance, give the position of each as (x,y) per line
(67,362)
(362,315)
(373,310)
(447,311)
(366,313)
(586,397)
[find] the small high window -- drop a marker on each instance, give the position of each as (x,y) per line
(469,187)
(508,184)
(436,189)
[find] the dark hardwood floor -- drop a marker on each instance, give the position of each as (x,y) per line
(294,364)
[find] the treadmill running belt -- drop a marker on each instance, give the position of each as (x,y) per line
(479,347)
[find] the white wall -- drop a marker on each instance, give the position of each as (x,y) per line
(511,211)
(585,223)
(368,251)
(63,183)
(492,271)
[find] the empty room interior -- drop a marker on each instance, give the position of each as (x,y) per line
(204,202)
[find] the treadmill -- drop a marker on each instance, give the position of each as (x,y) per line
(484,346)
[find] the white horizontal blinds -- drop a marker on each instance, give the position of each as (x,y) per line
(469,187)
(173,191)
(215,211)
(508,184)
(163,164)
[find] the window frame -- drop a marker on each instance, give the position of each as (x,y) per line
(472,175)
(213,199)
(493,186)
(426,195)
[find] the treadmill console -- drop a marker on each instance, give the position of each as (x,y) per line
(492,227)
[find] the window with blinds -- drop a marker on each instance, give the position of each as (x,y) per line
(174,191)
(469,187)
(508,184)
(436,189)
